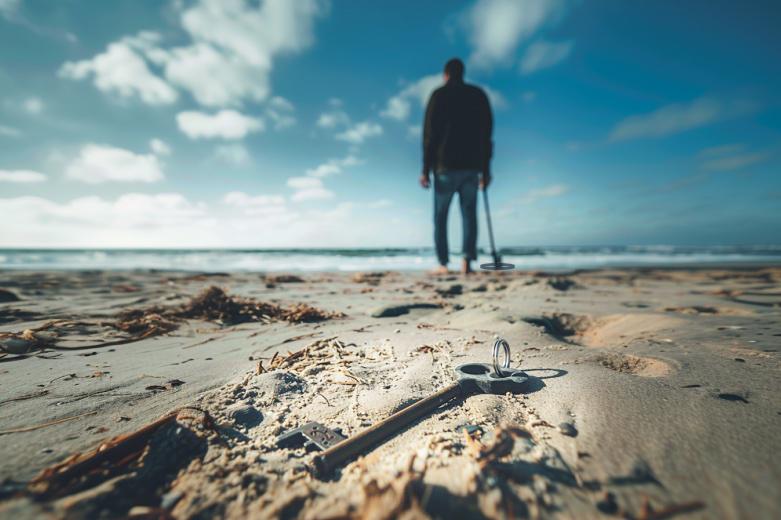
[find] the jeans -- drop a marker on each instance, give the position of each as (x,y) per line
(446,184)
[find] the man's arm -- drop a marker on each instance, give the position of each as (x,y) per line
(429,140)
(488,143)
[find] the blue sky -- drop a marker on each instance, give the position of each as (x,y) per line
(238,123)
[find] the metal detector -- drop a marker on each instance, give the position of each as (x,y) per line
(497,264)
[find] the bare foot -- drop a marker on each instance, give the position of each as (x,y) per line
(442,269)
(466,266)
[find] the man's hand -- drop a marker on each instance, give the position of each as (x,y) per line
(485,179)
(425,180)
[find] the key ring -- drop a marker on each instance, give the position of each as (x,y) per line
(500,342)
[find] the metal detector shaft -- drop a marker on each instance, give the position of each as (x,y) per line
(494,254)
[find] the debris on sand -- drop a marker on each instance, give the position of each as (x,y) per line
(143,324)
(214,304)
(138,456)
(284,278)
(561,283)
(455,289)
(502,445)
(370,278)
(401,497)
(322,351)
(25,343)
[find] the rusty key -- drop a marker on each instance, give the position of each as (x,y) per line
(472,378)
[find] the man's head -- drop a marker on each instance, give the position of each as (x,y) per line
(454,70)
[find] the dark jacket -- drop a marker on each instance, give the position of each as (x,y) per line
(457,129)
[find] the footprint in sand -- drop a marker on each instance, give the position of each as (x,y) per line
(733,398)
(698,310)
(635,365)
(607,331)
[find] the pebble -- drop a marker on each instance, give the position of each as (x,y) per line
(567,428)
(16,345)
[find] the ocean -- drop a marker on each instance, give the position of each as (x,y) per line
(399,259)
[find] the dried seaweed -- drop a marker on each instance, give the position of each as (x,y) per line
(369,278)
(284,278)
(144,324)
(215,305)
(109,457)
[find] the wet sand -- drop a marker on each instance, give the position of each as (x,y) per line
(653,394)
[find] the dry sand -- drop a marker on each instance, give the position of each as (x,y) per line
(655,394)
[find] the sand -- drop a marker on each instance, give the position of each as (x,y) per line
(653,394)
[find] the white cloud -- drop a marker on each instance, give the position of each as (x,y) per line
(359,132)
(159,147)
(8,131)
(399,106)
(121,70)
(257,205)
(212,76)
(529,96)
(333,118)
(100,163)
(21,176)
(542,55)
(281,104)
(280,112)
(548,192)
(225,124)
(235,154)
(133,219)
(33,105)
(240,199)
(169,220)
(8,8)
(496,27)
(333,166)
(228,60)
(308,188)
(672,119)
(414,131)
(729,160)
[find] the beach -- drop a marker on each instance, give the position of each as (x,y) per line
(652,393)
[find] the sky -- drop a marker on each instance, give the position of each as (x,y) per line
(296,123)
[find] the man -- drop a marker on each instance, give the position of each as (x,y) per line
(457,147)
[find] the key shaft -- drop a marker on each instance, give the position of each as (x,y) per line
(350,448)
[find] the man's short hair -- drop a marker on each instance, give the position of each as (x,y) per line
(454,68)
